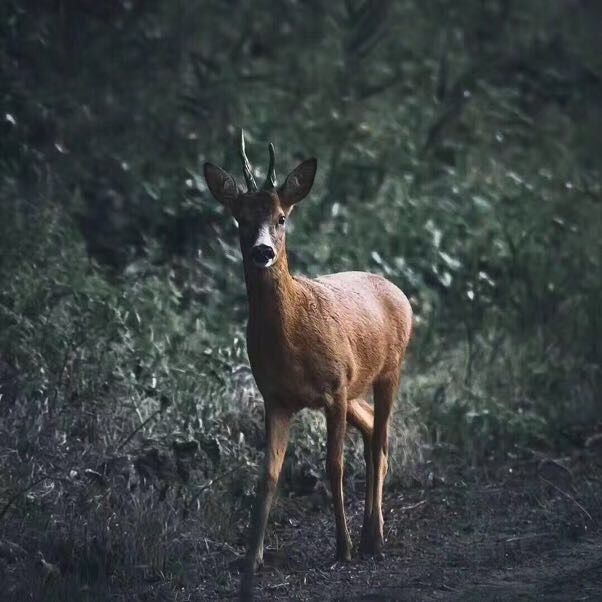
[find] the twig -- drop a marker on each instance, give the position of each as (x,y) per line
(412,506)
(529,536)
(138,428)
(212,482)
(20,492)
(568,496)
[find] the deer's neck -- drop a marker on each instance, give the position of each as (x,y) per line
(271,294)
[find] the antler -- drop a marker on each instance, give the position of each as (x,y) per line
(270,180)
(246,165)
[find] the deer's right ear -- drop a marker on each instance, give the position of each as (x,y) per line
(221,184)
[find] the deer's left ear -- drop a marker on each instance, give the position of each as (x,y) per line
(298,183)
(221,184)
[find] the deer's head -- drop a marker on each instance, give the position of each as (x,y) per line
(261,213)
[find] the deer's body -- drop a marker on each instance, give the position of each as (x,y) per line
(326,343)
(309,339)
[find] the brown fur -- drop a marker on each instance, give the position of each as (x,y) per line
(324,343)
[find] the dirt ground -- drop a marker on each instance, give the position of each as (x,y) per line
(527,530)
(522,529)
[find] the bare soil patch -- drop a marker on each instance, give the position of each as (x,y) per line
(524,530)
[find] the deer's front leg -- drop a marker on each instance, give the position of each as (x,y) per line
(335,424)
(277,423)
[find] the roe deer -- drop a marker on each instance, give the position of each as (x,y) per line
(321,343)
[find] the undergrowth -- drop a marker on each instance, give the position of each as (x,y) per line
(132,431)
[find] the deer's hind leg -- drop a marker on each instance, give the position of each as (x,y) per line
(360,414)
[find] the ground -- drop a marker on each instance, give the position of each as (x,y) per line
(527,527)
(524,530)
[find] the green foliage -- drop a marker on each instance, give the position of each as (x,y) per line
(458,153)
(457,156)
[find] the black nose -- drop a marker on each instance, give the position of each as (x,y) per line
(261,254)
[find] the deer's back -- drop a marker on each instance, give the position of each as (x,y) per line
(373,313)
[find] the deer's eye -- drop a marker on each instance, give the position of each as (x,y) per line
(281,220)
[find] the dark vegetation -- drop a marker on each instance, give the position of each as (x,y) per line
(459,155)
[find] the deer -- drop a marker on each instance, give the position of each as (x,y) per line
(325,344)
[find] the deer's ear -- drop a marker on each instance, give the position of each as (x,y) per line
(221,184)
(298,183)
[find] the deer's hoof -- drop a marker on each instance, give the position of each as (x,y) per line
(344,551)
(247,586)
(344,556)
(372,546)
